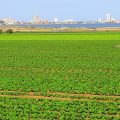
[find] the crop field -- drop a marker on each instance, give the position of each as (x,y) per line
(60,76)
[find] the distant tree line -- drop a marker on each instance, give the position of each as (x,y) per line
(9,31)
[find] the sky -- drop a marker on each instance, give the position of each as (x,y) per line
(62,9)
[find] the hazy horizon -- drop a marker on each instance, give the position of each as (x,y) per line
(62,9)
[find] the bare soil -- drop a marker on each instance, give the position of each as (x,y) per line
(31,95)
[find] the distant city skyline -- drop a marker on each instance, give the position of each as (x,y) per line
(62,9)
(58,18)
(37,20)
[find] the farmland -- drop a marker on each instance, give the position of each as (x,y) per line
(66,76)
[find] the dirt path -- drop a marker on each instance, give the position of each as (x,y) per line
(54,98)
(62,96)
(84,95)
(68,94)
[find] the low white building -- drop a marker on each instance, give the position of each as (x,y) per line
(9,21)
(69,21)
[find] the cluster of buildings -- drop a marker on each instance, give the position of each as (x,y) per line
(109,19)
(8,21)
(36,20)
(67,21)
(11,21)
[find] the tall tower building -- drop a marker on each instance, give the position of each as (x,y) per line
(108,18)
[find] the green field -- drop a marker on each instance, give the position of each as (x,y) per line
(62,36)
(60,76)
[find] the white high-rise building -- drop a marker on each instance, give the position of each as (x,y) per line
(108,18)
(100,20)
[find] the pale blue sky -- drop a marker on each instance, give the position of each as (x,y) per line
(75,9)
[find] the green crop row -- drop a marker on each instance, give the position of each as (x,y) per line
(14,108)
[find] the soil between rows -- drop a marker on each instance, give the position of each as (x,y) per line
(32,95)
